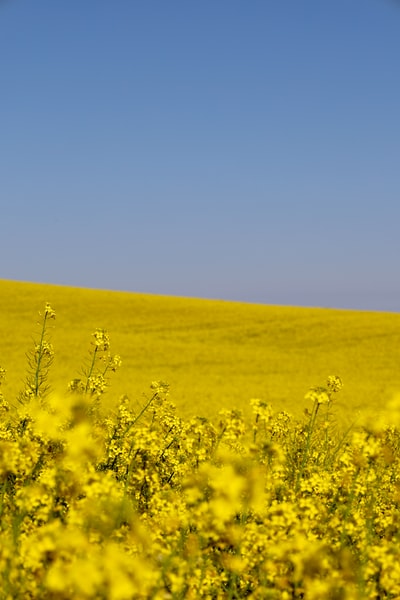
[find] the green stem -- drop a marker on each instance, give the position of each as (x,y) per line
(91,369)
(255,430)
(308,443)
(145,407)
(40,356)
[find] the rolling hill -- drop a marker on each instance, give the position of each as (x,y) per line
(214,354)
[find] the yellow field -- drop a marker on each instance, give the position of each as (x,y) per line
(214,354)
(112,497)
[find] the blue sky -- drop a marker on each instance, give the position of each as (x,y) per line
(245,150)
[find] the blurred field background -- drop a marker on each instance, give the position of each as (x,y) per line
(214,354)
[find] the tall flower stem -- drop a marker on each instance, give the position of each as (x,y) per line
(90,371)
(306,452)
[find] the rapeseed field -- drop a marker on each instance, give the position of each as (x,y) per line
(213,354)
(116,488)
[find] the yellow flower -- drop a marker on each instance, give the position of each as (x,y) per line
(49,312)
(101,339)
(317,394)
(334,383)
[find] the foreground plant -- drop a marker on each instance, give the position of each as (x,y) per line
(95,373)
(319,396)
(40,360)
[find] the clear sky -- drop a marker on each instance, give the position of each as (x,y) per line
(245,150)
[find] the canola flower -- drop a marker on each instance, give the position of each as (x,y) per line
(141,503)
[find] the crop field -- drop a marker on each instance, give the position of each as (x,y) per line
(171,448)
(214,354)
